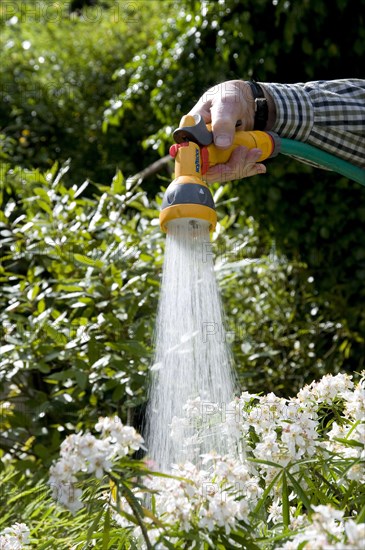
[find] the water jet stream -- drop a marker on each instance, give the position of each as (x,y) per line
(192,374)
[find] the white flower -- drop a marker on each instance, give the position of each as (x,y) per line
(355,533)
(208,457)
(246,397)
(7,542)
(105,425)
(327,512)
(269,448)
(65,469)
(233,424)
(15,537)
(98,464)
(298,522)
(86,453)
(294,440)
(179,428)
(193,407)
(87,445)
(207,519)
(125,437)
(355,402)
(275,512)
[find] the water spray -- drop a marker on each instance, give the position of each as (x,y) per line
(188,196)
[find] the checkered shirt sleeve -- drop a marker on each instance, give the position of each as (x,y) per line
(329,115)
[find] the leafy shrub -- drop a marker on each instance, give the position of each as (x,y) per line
(56,78)
(80,288)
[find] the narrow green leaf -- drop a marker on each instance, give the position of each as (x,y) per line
(106,530)
(265,494)
(361,517)
(349,442)
(246,543)
(93,526)
(285,500)
(300,492)
(266,462)
(45,206)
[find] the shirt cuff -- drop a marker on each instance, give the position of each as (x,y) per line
(294,110)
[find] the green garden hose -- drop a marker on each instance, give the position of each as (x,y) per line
(308,152)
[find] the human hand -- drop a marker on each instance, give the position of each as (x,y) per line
(223,106)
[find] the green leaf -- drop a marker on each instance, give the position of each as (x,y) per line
(266,493)
(266,462)
(300,492)
(133,347)
(93,526)
(81,378)
(361,516)
(246,543)
(85,260)
(45,206)
(349,442)
(55,335)
(106,530)
(285,501)
(43,194)
(118,185)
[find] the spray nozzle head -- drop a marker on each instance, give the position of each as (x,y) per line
(192,202)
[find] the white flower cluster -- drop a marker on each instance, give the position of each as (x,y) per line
(219,496)
(15,537)
(328,530)
(327,390)
(276,433)
(351,429)
(287,431)
(85,453)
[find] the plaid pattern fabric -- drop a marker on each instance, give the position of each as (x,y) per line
(329,115)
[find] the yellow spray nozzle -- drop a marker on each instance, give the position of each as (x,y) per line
(188,196)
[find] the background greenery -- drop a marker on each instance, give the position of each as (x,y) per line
(91,91)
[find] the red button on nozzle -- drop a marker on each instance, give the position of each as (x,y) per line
(174,148)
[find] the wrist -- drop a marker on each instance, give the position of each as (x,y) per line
(261,111)
(271,109)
